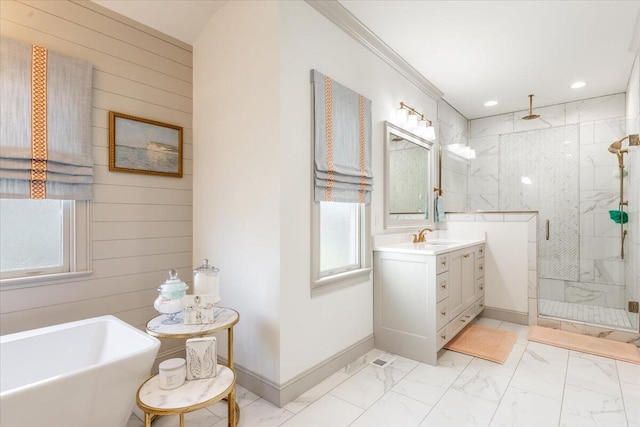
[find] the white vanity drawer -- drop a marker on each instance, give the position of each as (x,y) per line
(442,316)
(442,338)
(442,263)
(461,321)
(480,267)
(480,286)
(442,286)
(480,251)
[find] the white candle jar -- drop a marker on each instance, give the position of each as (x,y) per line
(206,281)
(172,373)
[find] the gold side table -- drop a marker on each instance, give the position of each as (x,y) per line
(224,318)
(190,396)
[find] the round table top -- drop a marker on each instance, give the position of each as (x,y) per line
(224,318)
(192,395)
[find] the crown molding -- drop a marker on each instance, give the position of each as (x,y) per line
(343,19)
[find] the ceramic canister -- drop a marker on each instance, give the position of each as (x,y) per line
(173,373)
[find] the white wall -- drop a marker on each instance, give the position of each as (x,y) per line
(252,202)
(237,210)
(315,328)
(141,224)
(510,258)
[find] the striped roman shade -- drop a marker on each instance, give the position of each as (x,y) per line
(45,123)
(342,142)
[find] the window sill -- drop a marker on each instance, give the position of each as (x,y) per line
(44,279)
(341,279)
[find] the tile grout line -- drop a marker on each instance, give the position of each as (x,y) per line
(333,388)
(383,395)
(510,379)
(624,405)
(564,386)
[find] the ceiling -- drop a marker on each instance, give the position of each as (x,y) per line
(473,51)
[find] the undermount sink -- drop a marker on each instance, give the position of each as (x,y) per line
(440,242)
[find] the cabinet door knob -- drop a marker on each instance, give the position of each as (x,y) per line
(462,320)
(443,286)
(466,255)
(443,313)
(444,337)
(481,287)
(444,263)
(481,268)
(481,305)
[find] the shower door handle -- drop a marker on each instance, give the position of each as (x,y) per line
(548,228)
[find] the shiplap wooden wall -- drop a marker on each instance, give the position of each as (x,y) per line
(142,225)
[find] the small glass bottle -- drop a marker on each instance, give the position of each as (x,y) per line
(206,281)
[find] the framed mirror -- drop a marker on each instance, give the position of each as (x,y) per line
(408,170)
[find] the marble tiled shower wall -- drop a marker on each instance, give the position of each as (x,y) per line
(453,129)
(600,121)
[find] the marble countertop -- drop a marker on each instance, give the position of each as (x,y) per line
(190,396)
(430,247)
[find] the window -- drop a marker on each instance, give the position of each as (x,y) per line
(340,244)
(43,239)
(339,237)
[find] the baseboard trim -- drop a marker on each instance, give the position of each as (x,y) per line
(282,394)
(506,315)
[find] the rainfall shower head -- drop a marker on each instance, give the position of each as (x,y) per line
(531,116)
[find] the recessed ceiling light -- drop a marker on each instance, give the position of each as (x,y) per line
(578,85)
(490,103)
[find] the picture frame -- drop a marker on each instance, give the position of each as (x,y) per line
(149,147)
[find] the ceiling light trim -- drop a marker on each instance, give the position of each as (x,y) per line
(343,19)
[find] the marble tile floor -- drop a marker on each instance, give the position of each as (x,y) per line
(538,385)
(592,314)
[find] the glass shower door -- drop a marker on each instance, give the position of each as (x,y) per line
(539,170)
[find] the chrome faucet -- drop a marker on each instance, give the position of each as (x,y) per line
(420,237)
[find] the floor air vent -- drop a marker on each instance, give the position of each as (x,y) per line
(383,360)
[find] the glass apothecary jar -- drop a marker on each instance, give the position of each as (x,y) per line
(206,280)
(169,301)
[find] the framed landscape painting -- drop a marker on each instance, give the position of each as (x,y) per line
(138,145)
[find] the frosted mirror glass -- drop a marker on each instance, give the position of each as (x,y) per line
(408,185)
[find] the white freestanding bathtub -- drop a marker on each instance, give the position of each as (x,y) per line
(77,374)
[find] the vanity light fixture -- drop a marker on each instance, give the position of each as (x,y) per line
(412,121)
(578,85)
(402,116)
(410,118)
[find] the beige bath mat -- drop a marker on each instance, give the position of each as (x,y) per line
(486,343)
(585,344)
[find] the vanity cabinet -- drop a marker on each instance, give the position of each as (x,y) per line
(422,301)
